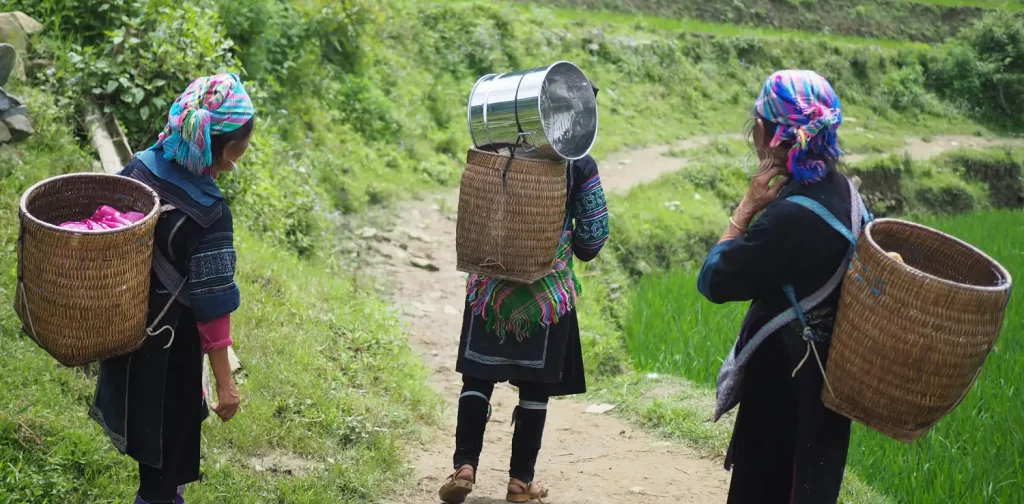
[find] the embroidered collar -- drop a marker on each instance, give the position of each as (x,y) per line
(200,188)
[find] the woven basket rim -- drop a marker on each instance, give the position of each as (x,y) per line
(152,214)
(999,269)
(491,159)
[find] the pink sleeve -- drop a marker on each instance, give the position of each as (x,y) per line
(215,334)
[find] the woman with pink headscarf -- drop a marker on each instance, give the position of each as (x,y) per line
(150,403)
(786,445)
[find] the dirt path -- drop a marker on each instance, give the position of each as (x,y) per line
(918,148)
(586,457)
(621,171)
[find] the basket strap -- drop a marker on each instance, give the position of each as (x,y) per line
(825,215)
(167,273)
(169,277)
(859,216)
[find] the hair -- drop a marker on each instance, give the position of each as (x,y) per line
(219,142)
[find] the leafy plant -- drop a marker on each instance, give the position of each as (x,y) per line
(148,59)
(983,69)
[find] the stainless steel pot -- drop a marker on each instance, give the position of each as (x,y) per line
(551,110)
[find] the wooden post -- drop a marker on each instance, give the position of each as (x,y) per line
(101,140)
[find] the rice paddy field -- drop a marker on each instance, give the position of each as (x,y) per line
(976,454)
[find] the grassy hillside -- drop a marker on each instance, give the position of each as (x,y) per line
(929,21)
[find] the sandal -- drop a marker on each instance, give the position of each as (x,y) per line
(456,488)
(526,491)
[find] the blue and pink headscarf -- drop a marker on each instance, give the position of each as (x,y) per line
(808,113)
(215,104)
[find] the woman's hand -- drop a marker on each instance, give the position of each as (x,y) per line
(228,399)
(227,393)
(762,191)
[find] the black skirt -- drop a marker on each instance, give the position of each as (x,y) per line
(552,356)
(151,405)
(786,446)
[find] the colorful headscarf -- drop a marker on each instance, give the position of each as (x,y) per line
(216,105)
(808,113)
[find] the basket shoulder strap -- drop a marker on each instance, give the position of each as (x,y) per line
(825,215)
(167,273)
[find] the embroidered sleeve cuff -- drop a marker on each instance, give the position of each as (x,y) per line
(208,307)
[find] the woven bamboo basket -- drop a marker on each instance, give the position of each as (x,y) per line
(511,229)
(910,338)
(83,296)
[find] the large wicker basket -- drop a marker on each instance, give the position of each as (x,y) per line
(510,229)
(910,339)
(83,296)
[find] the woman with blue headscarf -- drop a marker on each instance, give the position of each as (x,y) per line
(151,402)
(786,445)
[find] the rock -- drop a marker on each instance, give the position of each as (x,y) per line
(8,62)
(424,264)
(5,134)
(233,361)
(598,409)
(8,102)
(20,127)
(31,26)
(416,235)
(38,66)
(367,233)
(19,110)
(390,251)
(637,490)
(643,267)
(16,28)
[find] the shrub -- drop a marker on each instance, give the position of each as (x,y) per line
(983,69)
(150,59)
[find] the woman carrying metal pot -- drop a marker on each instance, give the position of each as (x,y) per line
(528,335)
(786,447)
(151,402)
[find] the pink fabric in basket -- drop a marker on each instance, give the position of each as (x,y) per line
(105,218)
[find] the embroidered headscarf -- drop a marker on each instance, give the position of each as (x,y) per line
(808,113)
(212,105)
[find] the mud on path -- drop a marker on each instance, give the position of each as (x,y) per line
(586,458)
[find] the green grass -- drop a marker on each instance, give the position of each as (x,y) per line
(671,24)
(974,455)
(723,29)
(1011,5)
(330,382)
(890,19)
